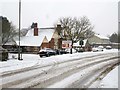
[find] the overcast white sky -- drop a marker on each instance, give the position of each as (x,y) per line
(103,14)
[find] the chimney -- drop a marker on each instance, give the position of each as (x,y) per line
(59,28)
(35,29)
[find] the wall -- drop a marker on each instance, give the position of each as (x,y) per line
(44,45)
(51,43)
(94,39)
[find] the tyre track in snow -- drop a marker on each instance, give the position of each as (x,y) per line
(46,82)
(41,71)
(37,65)
(93,75)
(29,83)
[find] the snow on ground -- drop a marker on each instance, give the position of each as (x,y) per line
(33,59)
(110,80)
(78,76)
(13,63)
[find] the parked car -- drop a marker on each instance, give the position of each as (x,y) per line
(101,47)
(80,50)
(63,52)
(108,47)
(57,51)
(96,49)
(47,52)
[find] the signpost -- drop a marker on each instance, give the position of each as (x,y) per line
(66,44)
(81,42)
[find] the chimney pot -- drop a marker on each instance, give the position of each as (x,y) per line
(35,25)
(59,28)
(35,29)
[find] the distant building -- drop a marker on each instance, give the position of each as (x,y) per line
(98,39)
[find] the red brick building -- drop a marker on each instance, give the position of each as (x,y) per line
(39,38)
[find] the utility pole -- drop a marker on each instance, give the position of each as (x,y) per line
(19,57)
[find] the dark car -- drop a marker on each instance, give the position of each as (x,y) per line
(63,52)
(47,52)
(81,50)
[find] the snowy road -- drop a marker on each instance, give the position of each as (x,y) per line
(76,73)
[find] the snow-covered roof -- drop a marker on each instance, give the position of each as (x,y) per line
(24,31)
(101,37)
(31,40)
(77,44)
(42,33)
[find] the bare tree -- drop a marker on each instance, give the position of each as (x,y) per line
(8,30)
(75,28)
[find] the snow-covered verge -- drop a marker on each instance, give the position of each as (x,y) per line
(14,64)
(109,81)
(33,59)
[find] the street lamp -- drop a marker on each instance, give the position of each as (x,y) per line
(19,57)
